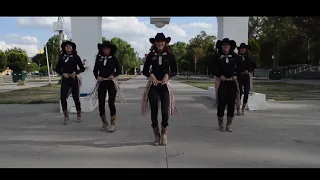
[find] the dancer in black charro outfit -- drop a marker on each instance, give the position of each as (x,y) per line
(67,67)
(245,68)
(225,63)
(106,69)
(164,66)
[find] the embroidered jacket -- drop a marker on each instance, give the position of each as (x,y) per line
(225,64)
(68,63)
(162,64)
(106,66)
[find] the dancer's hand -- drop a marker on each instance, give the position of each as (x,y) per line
(234,78)
(65,75)
(246,72)
(99,78)
(165,79)
(153,79)
(73,75)
(223,78)
(110,77)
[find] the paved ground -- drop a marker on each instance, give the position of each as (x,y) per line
(286,135)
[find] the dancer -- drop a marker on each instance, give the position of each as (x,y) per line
(67,67)
(106,69)
(225,70)
(245,68)
(164,66)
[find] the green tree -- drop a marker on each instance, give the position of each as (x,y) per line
(15,49)
(126,54)
(180,51)
(43,70)
(255,50)
(39,59)
(3,61)
(199,52)
(32,67)
(53,46)
(17,61)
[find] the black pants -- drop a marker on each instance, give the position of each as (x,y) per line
(105,86)
(227,94)
(156,92)
(244,87)
(66,84)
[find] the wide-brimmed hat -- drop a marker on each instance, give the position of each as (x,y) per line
(232,43)
(160,37)
(113,48)
(63,45)
(243,45)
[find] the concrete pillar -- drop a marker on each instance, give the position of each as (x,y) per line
(87,33)
(234,28)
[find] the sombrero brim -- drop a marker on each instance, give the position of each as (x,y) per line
(232,43)
(247,47)
(167,39)
(63,45)
(111,46)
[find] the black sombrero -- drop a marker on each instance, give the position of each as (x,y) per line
(243,45)
(160,37)
(112,47)
(232,43)
(63,45)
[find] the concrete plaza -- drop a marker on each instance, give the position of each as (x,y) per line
(285,135)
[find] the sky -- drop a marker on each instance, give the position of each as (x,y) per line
(31,33)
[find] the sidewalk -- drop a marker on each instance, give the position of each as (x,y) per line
(32,136)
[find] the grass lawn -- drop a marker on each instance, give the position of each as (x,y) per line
(39,95)
(34,95)
(279,91)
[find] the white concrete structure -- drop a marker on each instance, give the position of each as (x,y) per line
(257,101)
(87,33)
(235,28)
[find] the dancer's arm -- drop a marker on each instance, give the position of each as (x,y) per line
(80,64)
(96,68)
(146,66)
(59,66)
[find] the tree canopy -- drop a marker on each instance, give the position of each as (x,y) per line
(3,61)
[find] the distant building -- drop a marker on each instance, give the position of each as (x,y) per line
(29,59)
(8,71)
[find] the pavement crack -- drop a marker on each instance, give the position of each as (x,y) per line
(165,149)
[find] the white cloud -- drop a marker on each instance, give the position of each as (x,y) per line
(26,40)
(130,29)
(32,50)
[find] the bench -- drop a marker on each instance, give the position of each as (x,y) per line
(257,101)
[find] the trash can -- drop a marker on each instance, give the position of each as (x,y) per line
(18,76)
(275,74)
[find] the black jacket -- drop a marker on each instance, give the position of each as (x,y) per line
(225,64)
(106,66)
(246,62)
(159,69)
(69,64)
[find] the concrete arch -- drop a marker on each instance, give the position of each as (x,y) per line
(87,33)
